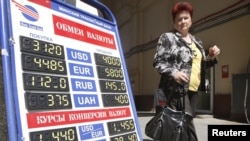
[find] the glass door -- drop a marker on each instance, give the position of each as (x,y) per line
(205,98)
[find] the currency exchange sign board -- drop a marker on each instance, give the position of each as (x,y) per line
(70,79)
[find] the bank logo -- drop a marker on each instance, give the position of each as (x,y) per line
(28,12)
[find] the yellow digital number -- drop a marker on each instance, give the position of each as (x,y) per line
(46,63)
(132,137)
(61,99)
(65,100)
(111,85)
(71,135)
(63,83)
(117,73)
(122,99)
(60,66)
(123,86)
(128,124)
(51,100)
(112,60)
(47,47)
(47,82)
(68,135)
(56,135)
(119,138)
(38,61)
(58,50)
(36,45)
(50,48)
(50,64)
(64,135)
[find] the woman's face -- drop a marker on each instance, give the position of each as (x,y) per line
(183,22)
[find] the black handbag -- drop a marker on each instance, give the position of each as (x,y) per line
(175,125)
(169,125)
(154,127)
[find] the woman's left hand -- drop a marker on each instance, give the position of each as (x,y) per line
(214,51)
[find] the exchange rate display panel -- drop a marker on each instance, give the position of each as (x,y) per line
(69,76)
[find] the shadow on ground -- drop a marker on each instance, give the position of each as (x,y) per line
(145,114)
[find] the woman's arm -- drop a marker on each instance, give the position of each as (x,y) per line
(213,52)
(164,57)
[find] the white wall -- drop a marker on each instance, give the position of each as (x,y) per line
(233,39)
(142,21)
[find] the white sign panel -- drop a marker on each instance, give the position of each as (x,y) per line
(69,75)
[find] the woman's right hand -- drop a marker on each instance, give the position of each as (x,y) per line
(181,77)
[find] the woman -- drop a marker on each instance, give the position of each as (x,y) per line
(181,61)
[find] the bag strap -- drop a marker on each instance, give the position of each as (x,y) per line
(183,99)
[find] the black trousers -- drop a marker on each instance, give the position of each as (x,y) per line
(190,106)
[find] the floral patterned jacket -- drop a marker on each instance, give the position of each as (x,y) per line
(173,54)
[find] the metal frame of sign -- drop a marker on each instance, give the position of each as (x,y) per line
(65,75)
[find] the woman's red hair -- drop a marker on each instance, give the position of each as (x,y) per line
(182,6)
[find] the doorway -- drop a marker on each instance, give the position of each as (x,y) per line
(205,98)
